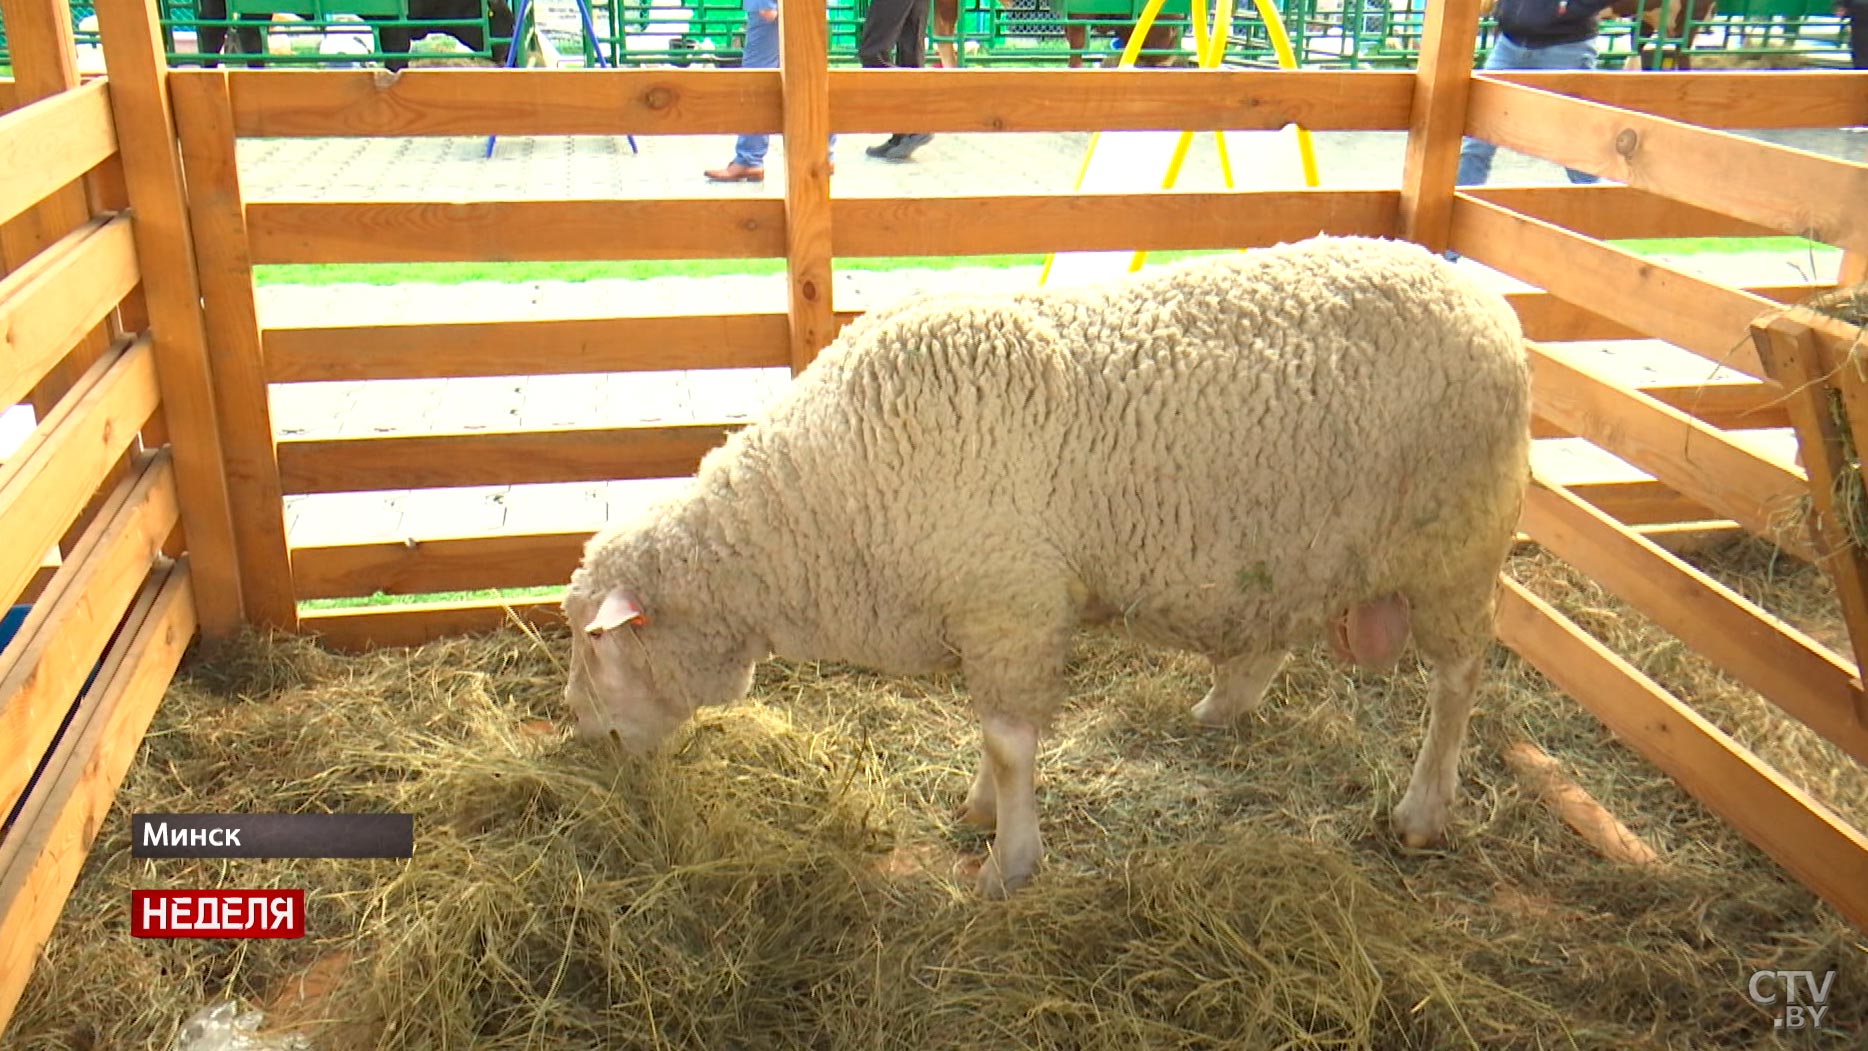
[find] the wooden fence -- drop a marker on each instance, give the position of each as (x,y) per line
(223,474)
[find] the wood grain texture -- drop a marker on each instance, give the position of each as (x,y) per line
(514,231)
(1609,212)
(1437,121)
(557,346)
(992,100)
(51,144)
(373,627)
(804,44)
(879,226)
(423,567)
(1784,189)
(292,103)
(1642,503)
(244,408)
(59,298)
(52,476)
(1787,667)
(43,671)
(1777,98)
(133,49)
(1813,844)
(1699,461)
(342,465)
(1726,406)
(1702,316)
(42,856)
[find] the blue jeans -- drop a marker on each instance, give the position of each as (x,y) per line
(750,150)
(1475,155)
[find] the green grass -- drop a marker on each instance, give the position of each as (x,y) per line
(1720,245)
(432,598)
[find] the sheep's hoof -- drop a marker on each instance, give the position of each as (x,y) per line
(997,884)
(1420,827)
(978,816)
(1211,713)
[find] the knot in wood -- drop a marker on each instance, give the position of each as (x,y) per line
(658,98)
(1627,142)
(808,290)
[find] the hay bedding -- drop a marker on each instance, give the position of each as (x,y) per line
(786,878)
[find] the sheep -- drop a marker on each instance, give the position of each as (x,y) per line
(1230,455)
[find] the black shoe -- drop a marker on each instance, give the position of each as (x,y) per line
(881,149)
(906,148)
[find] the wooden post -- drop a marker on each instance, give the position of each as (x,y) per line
(139,99)
(204,117)
(804,74)
(1441,84)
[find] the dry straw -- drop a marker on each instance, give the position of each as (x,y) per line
(784,878)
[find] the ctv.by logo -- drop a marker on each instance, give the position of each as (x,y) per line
(1801,1001)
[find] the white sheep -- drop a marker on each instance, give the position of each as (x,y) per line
(1229,456)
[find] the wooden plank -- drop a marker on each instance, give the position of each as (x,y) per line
(42,857)
(64,293)
(1699,461)
(344,465)
(53,475)
(1790,355)
(1642,503)
(44,669)
(1726,406)
(1437,120)
(371,627)
(205,120)
(1609,212)
(991,100)
(559,346)
(8,93)
(1791,190)
(1785,666)
(427,567)
(51,144)
(1690,312)
(133,49)
(1777,98)
(877,226)
(284,103)
(804,40)
(514,231)
(1801,834)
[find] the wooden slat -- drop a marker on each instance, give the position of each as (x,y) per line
(428,567)
(51,144)
(871,226)
(342,465)
(205,120)
(1699,461)
(8,93)
(41,858)
(988,100)
(1726,406)
(1778,187)
(1721,99)
(1642,503)
(804,40)
(133,49)
(559,346)
(279,103)
(1549,319)
(54,301)
(1801,834)
(1787,667)
(1690,312)
(514,231)
(370,627)
(62,463)
(1609,212)
(44,669)
(1436,120)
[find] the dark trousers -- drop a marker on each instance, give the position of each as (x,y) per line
(895,33)
(1858,35)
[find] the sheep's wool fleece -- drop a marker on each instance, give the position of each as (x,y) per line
(1219,455)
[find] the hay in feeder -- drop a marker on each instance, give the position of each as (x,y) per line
(786,876)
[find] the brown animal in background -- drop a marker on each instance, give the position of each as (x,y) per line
(1162,36)
(1676,12)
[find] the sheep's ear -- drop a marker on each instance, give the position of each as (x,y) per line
(619,608)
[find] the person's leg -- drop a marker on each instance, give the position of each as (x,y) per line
(911,51)
(750,150)
(1580,55)
(1475,155)
(1858,40)
(882,28)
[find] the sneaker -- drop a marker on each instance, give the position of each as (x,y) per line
(907,147)
(881,149)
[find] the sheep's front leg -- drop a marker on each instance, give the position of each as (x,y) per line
(1239,685)
(982,800)
(1011,746)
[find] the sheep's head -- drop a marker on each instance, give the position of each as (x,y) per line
(637,674)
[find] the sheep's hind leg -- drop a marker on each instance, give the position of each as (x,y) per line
(1421,817)
(982,801)
(1012,753)
(1239,685)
